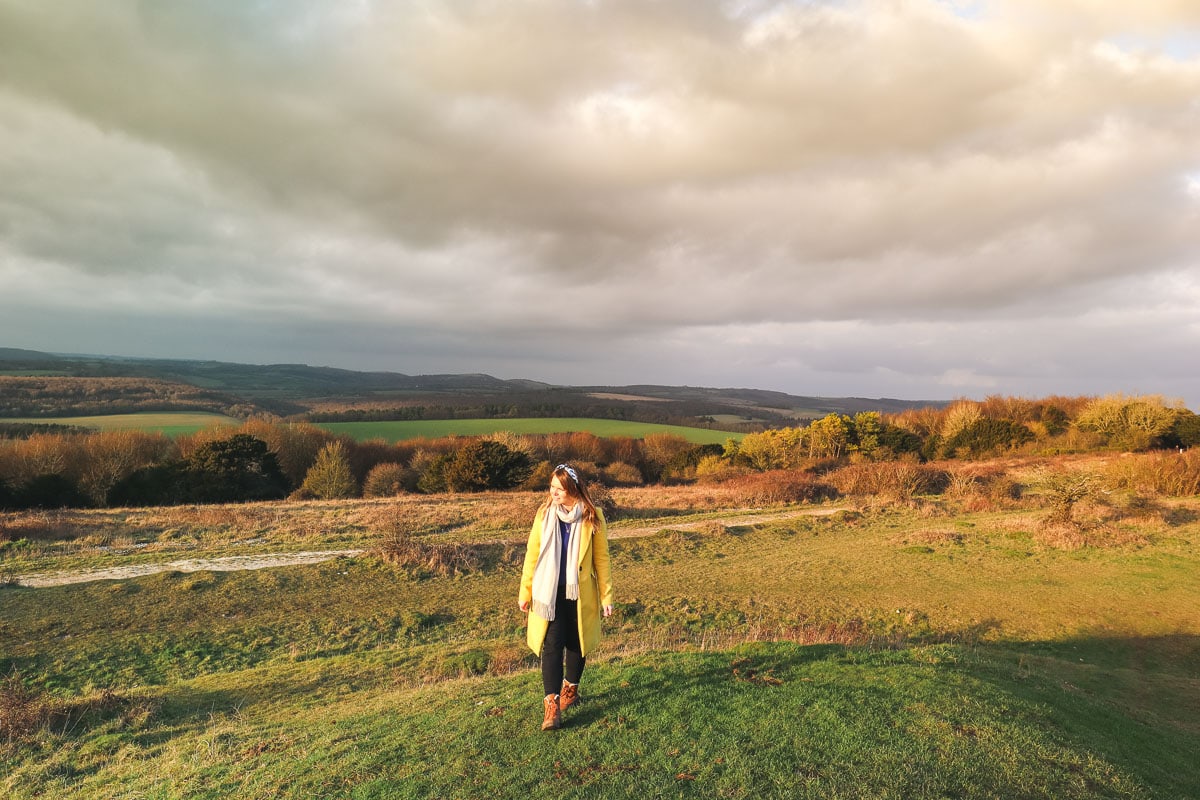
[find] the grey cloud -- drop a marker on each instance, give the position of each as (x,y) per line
(473,173)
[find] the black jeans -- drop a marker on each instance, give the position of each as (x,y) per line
(561,652)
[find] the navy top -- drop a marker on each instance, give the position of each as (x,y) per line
(564,531)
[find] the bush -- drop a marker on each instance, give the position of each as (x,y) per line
(161,485)
(620,474)
(330,477)
(683,465)
(780,486)
(982,488)
(432,473)
(539,477)
(238,469)
(484,464)
(1064,490)
(1185,430)
(388,480)
(897,479)
(51,491)
(986,436)
(898,441)
(1166,473)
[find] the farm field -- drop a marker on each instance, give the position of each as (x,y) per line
(395,431)
(180,423)
(865,647)
(169,423)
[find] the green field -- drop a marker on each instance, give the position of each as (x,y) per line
(169,423)
(177,424)
(434,429)
(899,652)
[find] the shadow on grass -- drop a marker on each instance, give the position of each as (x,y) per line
(1131,703)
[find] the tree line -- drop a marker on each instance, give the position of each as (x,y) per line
(266,459)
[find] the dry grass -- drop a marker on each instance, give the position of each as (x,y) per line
(1167,473)
(402,547)
(778,487)
(898,480)
(25,711)
(934,536)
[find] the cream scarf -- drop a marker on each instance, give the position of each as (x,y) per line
(545,573)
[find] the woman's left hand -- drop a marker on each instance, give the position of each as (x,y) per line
(608,611)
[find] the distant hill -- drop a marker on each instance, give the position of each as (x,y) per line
(17,355)
(327,393)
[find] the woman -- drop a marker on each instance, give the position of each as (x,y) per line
(565,586)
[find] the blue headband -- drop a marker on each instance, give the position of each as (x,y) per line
(569,471)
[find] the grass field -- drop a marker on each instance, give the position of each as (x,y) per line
(169,423)
(433,429)
(177,424)
(876,650)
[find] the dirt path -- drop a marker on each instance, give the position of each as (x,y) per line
(267,560)
(221,564)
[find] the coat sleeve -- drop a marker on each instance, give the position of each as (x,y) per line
(601,560)
(532,548)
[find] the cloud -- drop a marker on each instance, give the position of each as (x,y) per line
(485,184)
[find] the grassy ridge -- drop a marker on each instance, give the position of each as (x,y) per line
(413,429)
(896,653)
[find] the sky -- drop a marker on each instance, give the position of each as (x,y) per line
(917,199)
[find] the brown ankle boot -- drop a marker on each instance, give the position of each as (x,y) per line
(569,696)
(551,721)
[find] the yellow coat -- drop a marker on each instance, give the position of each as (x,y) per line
(595,582)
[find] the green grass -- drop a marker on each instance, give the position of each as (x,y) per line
(766,720)
(823,657)
(168,423)
(180,423)
(413,429)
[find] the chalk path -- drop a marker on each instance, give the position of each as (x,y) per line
(267,560)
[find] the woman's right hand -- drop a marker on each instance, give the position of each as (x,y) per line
(523,605)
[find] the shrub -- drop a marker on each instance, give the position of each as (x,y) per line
(1064,490)
(1185,430)
(432,472)
(659,449)
(51,491)
(985,436)
(897,441)
(1166,473)
(330,477)
(539,476)
(237,469)
(485,464)
(619,474)
(602,498)
(781,486)
(388,480)
(160,485)
(684,464)
(897,479)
